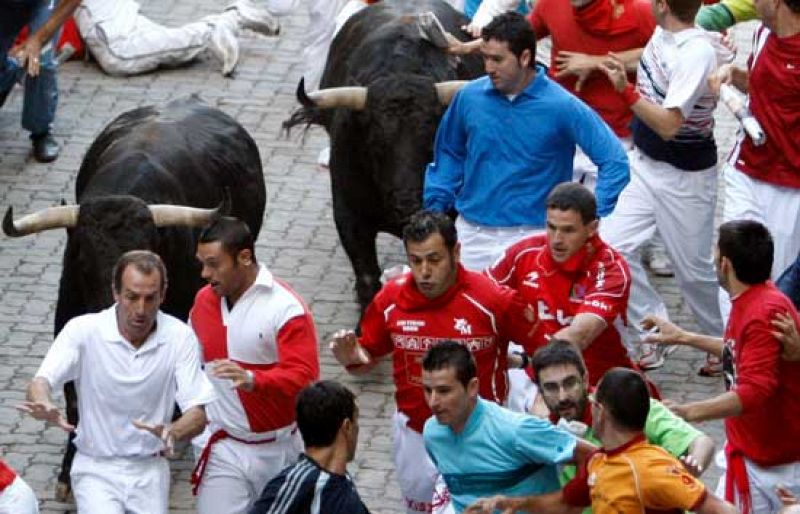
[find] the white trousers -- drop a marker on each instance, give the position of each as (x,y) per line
(326,17)
(120,485)
(18,498)
(481,246)
(777,207)
(130,47)
(763,482)
(416,473)
(680,205)
(237,472)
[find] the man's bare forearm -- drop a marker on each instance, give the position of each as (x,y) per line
(60,15)
(39,391)
(709,344)
(190,424)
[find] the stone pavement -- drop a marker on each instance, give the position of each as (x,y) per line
(298,241)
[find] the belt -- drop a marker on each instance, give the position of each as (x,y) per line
(736,480)
(219,435)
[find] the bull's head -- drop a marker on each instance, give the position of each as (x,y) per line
(396,119)
(100,230)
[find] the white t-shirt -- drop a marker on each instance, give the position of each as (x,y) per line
(117,383)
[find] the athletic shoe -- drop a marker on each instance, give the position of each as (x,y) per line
(660,265)
(224,45)
(653,356)
(254,18)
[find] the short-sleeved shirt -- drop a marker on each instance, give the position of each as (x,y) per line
(118,383)
(307,488)
(673,73)
(498,452)
(636,477)
(596,280)
(662,428)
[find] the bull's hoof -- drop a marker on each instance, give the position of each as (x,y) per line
(64,493)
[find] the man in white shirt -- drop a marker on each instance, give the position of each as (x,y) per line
(130,364)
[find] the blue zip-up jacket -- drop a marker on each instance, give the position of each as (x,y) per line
(496,160)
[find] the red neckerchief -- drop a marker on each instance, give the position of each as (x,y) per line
(412,299)
(579,261)
(736,481)
(598,19)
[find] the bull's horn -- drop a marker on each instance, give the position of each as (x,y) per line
(165,215)
(354,97)
(447,90)
(65,216)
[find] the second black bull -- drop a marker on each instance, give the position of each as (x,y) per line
(382,94)
(152,177)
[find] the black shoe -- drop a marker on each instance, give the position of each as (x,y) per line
(45,148)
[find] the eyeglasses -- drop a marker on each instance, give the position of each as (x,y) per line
(568,384)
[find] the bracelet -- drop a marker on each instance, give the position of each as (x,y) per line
(525,359)
(251,378)
(630,94)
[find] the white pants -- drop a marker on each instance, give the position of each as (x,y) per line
(778,208)
(237,472)
(129,47)
(18,498)
(481,246)
(680,204)
(120,485)
(416,473)
(763,482)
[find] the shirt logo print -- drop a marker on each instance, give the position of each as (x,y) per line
(462,326)
(532,279)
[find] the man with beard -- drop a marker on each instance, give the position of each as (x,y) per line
(762,399)
(627,474)
(561,375)
(260,350)
(578,284)
(438,300)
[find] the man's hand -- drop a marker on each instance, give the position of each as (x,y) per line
(473,30)
(662,331)
(578,64)
(692,465)
(614,69)
(785,496)
(163,432)
(29,52)
(723,75)
(46,412)
(229,370)
(346,349)
(787,334)
(505,504)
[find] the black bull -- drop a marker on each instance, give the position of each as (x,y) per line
(135,190)
(381,97)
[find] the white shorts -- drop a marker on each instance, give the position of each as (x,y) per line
(416,473)
(763,482)
(237,472)
(120,485)
(481,246)
(18,498)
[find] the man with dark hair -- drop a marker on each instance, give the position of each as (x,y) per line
(673,168)
(130,363)
(327,417)
(627,474)
(763,390)
(494,166)
(479,447)
(561,376)
(260,349)
(438,300)
(578,284)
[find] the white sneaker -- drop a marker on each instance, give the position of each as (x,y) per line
(653,356)
(254,18)
(324,159)
(660,265)
(225,47)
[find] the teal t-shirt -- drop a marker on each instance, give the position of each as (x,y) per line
(471,7)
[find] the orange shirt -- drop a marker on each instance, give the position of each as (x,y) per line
(636,477)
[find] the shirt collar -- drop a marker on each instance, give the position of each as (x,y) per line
(264,277)
(682,36)
(637,439)
(109,330)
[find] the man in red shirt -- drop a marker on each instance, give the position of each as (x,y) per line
(260,350)
(438,300)
(762,401)
(578,285)
(762,182)
(15,495)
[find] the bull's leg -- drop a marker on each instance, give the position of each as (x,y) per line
(358,240)
(63,487)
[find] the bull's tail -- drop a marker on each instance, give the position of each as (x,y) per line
(309,114)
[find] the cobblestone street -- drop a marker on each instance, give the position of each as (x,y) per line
(298,241)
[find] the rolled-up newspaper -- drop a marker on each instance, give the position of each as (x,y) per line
(430,29)
(736,102)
